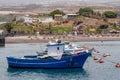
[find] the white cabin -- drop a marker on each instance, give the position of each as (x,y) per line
(55,49)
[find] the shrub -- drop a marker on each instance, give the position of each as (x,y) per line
(56,12)
(86,12)
(110,14)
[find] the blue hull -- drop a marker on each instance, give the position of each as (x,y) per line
(74,61)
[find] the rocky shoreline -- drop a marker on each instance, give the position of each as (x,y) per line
(44,39)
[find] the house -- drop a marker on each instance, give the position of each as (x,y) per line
(35,19)
(28,20)
(46,19)
(72,16)
(58,17)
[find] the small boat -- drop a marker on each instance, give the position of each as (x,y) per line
(56,55)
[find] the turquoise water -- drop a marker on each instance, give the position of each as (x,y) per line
(92,70)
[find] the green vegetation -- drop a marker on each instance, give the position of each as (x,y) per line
(58,30)
(89,22)
(114,26)
(110,14)
(87,12)
(8,27)
(62,29)
(56,12)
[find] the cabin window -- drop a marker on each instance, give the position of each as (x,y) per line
(57,48)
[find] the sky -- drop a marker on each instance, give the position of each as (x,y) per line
(24,2)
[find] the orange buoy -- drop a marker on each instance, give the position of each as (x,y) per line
(117,65)
(101,61)
(105,55)
(95,58)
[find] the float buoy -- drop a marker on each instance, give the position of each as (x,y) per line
(101,61)
(95,58)
(105,55)
(117,65)
(98,51)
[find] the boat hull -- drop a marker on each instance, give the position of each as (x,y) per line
(74,61)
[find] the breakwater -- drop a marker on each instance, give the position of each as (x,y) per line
(2,39)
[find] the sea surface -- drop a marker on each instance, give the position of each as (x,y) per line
(92,70)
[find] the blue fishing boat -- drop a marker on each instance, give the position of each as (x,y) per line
(56,55)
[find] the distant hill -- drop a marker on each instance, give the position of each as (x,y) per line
(58,2)
(46,6)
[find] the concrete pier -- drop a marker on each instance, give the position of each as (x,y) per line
(2,38)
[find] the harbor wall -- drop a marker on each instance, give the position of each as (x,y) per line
(2,39)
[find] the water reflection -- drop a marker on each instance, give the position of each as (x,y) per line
(49,73)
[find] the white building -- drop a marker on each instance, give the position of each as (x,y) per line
(72,16)
(28,20)
(46,20)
